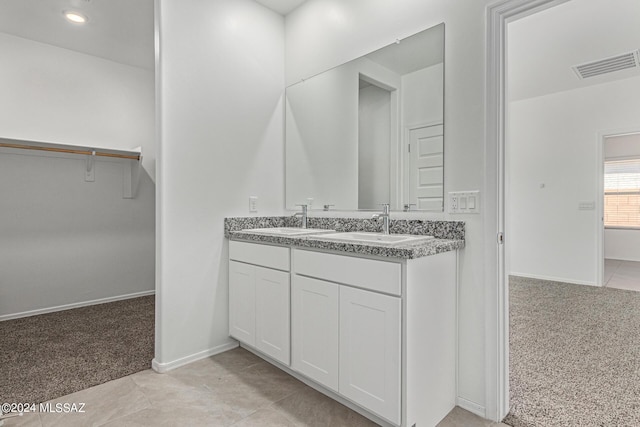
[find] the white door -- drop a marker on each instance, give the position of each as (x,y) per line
(314,315)
(242,302)
(370,351)
(272,313)
(426,167)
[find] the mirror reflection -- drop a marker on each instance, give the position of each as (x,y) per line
(370,131)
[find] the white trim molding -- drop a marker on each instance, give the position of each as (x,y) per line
(472,407)
(162,368)
(555,279)
(74,305)
(499,14)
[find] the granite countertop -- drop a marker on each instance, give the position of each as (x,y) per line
(448,235)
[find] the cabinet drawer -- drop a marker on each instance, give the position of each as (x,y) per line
(264,255)
(379,276)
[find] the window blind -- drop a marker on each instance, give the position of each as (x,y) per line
(622,193)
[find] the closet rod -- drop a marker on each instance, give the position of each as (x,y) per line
(70,151)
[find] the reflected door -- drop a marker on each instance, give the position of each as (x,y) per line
(426,167)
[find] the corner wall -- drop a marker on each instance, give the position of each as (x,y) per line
(220,81)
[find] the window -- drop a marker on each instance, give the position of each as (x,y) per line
(622,193)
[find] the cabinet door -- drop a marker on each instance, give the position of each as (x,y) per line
(272,313)
(370,338)
(315,330)
(242,302)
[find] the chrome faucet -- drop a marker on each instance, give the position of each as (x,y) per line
(303,215)
(385,218)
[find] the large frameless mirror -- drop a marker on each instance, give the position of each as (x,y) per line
(370,131)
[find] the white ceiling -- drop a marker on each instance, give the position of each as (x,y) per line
(118,30)
(283,7)
(543,47)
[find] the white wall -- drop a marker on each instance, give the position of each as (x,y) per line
(58,95)
(622,146)
(221,82)
(553,140)
(423,96)
(322,140)
(64,241)
(374,127)
(321,34)
(322,135)
(620,243)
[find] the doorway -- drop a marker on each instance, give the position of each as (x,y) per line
(374,133)
(619,173)
(499,16)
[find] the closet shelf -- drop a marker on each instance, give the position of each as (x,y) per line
(132,159)
(69,149)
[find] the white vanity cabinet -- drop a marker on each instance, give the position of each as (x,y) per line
(370,342)
(314,315)
(376,333)
(396,331)
(367,321)
(259,298)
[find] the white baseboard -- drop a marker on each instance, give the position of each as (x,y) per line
(162,368)
(554,279)
(621,259)
(472,407)
(74,305)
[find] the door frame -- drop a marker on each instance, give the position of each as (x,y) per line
(499,15)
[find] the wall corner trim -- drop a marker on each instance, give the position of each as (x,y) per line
(162,368)
(472,407)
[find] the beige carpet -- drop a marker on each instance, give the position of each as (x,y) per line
(47,356)
(574,355)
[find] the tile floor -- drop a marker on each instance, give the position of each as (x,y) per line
(235,388)
(622,274)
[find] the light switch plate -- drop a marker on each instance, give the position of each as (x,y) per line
(464,202)
(586,205)
(253,203)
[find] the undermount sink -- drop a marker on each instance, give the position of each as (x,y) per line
(287,231)
(363,237)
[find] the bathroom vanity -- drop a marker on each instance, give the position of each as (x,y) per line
(370,324)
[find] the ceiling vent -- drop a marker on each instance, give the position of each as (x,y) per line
(607,65)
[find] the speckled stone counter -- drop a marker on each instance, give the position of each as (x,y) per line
(448,235)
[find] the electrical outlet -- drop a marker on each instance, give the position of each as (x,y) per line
(453,203)
(467,202)
(253,204)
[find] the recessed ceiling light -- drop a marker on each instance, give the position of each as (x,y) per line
(75,17)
